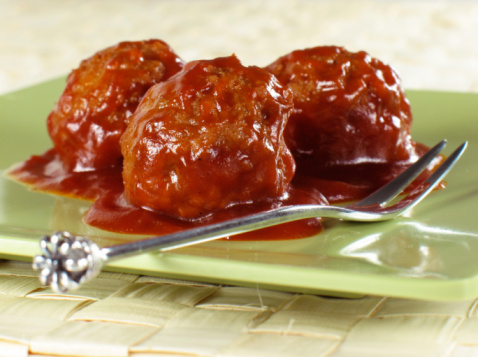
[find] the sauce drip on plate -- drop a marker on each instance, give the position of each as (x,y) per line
(111,212)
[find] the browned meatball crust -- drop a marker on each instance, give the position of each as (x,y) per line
(349,108)
(208,138)
(91,114)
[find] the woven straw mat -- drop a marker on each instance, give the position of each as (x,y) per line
(130,315)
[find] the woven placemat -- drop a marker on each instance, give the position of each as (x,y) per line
(132,315)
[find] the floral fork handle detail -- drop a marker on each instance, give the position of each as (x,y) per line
(67,261)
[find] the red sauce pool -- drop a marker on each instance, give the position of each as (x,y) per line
(110,211)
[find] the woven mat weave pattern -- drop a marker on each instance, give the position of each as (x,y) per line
(131,315)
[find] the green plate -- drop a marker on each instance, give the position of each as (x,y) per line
(430,254)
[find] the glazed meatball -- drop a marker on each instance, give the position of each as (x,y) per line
(208,138)
(92,113)
(349,109)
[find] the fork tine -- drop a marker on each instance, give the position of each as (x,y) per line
(392,189)
(444,168)
(422,191)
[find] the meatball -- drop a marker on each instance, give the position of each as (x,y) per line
(92,113)
(208,138)
(349,109)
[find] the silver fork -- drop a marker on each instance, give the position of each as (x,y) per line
(69,261)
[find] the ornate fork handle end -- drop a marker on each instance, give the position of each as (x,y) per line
(67,261)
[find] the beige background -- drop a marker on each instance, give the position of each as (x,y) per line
(432,44)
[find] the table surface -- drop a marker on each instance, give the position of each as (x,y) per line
(431,44)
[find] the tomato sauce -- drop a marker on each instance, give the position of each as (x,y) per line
(214,140)
(111,212)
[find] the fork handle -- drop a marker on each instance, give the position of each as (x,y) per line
(68,261)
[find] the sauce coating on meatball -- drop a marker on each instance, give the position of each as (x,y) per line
(208,138)
(91,114)
(207,143)
(349,109)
